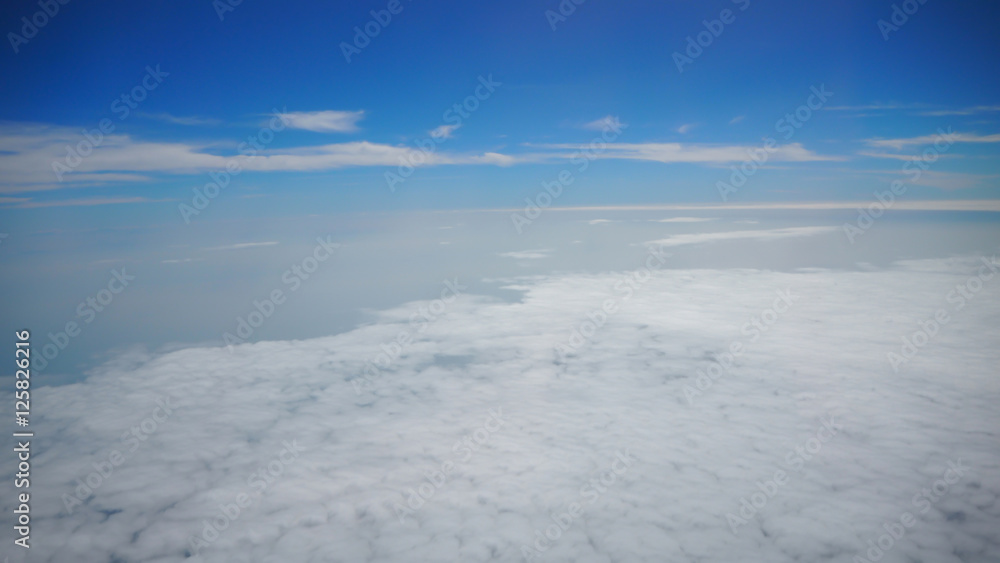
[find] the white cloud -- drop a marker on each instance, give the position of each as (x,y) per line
(528,254)
(181,261)
(768,234)
(27,157)
(324,121)
(242,245)
(685,220)
(965,111)
(898,156)
(685,128)
(564,422)
(29,151)
(736,119)
(875,107)
(495,158)
(182,120)
(610,122)
(443,131)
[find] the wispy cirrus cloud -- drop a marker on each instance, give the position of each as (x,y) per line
(536,254)
(926,110)
(876,107)
(26,203)
(27,155)
(965,111)
(241,245)
(695,153)
(900,156)
(768,234)
(902,143)
(328,121)
(181,260)
(182,120)
(685,220)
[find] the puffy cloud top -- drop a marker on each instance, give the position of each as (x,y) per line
(482,424)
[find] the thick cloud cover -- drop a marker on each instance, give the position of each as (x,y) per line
(545,423)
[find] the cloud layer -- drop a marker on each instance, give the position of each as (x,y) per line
(368,445)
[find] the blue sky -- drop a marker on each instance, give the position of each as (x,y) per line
(605,61)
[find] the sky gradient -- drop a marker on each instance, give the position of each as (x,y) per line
(215,77)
